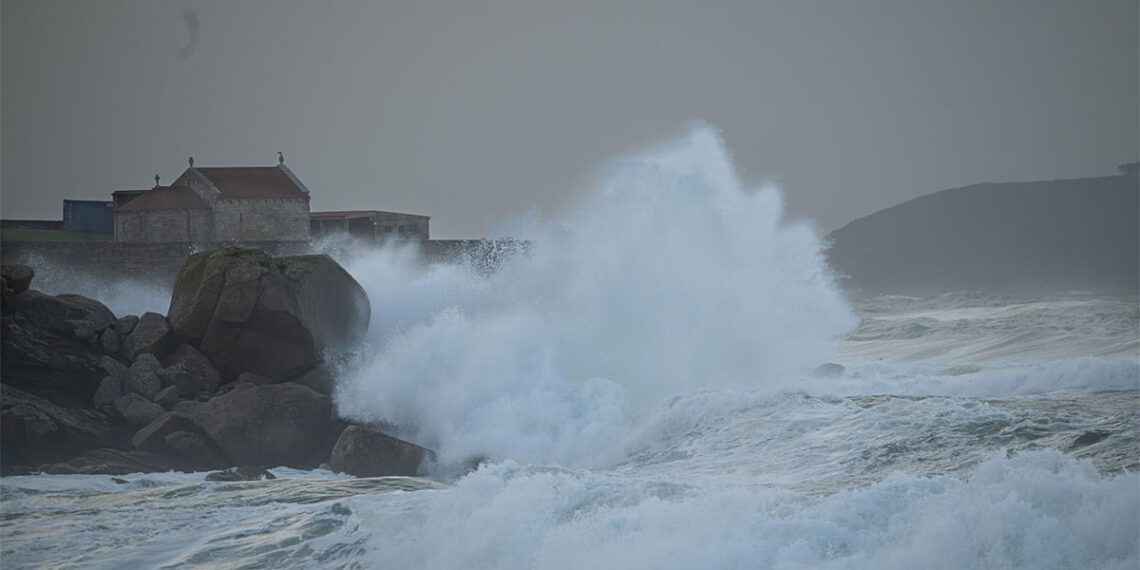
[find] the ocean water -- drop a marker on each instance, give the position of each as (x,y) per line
(640,390)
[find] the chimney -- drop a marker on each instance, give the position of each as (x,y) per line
(156,181)
(280,158)
(191,162)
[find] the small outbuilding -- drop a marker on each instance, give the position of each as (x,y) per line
(369,225)
(94,216)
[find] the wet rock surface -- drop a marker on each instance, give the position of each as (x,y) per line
(234,377)
(366,452)
(249,312)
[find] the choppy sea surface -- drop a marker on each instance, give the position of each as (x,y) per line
(643,387)
(963,432)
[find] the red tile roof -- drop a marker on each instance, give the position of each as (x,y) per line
(244,182)
(166,198)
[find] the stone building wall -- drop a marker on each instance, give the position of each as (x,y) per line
(270,219)
(164,226)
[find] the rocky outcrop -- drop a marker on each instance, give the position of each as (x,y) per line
(51,343)
(249,312)
(280,424)
(34,430)
(368,453)
(237,376)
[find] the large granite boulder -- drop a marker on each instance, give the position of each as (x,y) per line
(51,343)
(34,430)
(249,312)
(279,424)
(368,453)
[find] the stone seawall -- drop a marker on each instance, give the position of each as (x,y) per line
(159,262)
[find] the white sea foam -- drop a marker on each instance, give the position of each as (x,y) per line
(122,294)
(1035,510)
(672,276)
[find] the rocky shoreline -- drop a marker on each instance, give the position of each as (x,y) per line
(237,376)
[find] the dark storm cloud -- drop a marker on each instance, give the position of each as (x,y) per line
(476,112)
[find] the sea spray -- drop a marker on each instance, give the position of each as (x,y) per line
(670,276)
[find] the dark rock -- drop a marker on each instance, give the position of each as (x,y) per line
(196,450)
(185,407)
(136,410)
(116,462)
(280,424)
(146,361)
(50,343)
(243,473)
(115,369)
(151,437)
(118,481)
(126,324)
(367,453)
(35,430)
(167,397)
(190,371)
(255,379)
(320,379)
(110,389)
(109,341)
(234,386)
(249,312)
(143,382)
(15,278)
(829,370)
(96,317)
(151,335)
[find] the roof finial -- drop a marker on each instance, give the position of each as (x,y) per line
(156,181)
(280,158)
(191,162)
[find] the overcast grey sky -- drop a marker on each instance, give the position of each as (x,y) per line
(476,112)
